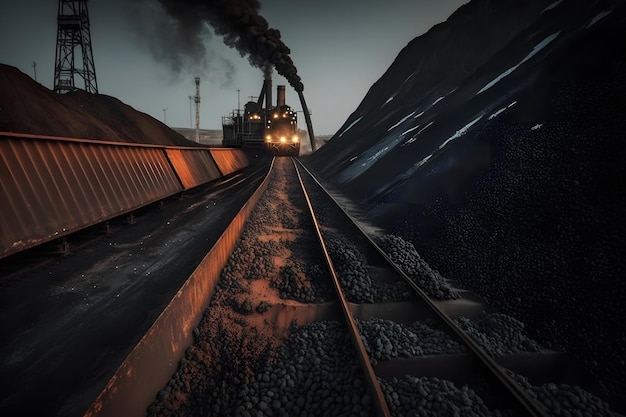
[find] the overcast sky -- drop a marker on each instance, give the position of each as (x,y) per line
(339,47)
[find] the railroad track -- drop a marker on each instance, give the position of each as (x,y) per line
(509,393)
(304,295)
(309,316)
(312,316)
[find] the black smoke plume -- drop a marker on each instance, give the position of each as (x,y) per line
(242,27)
(180,44)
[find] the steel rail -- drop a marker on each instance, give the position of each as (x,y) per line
(523,402)
(379,397)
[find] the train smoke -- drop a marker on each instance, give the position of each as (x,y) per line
(180,44)
(242,27)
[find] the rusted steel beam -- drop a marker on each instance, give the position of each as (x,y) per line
(50,187)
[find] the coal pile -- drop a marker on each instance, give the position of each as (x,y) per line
(314,373)
(28,107)
(404,254)
(385,339)
(563,399)
(291,285)
(413,396)
(499,156)
(499,334)
(354,277)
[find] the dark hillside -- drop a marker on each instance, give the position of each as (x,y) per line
(508,177)
(28,107)
(429,67)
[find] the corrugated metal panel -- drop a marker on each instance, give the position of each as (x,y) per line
(193,166)
(50,187)
(229,160)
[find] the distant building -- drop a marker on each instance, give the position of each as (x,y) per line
(207,137)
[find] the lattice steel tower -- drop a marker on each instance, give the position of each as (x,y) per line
(73,32)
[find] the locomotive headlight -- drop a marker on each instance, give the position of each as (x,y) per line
(268,138)
(283,139)
(294,139)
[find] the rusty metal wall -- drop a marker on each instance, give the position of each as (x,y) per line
(229,160)
(50,187)
(193,166)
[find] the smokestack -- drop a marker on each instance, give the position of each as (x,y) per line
(280,93)
(262,94)
(307,118)
(268,89)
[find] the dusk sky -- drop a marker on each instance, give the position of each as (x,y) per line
(340,49)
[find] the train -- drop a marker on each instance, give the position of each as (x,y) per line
(273,128)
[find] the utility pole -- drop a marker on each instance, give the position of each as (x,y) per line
(238,104)
(197,101)
(165,116)
(35,69)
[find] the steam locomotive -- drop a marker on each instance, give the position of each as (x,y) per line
(274,128)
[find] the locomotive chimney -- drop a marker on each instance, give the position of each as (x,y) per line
(280,95)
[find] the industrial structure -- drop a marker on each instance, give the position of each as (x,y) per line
(274,128)
(73,32)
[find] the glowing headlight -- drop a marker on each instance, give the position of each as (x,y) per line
(294,139)
(283,139)
(268,138)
